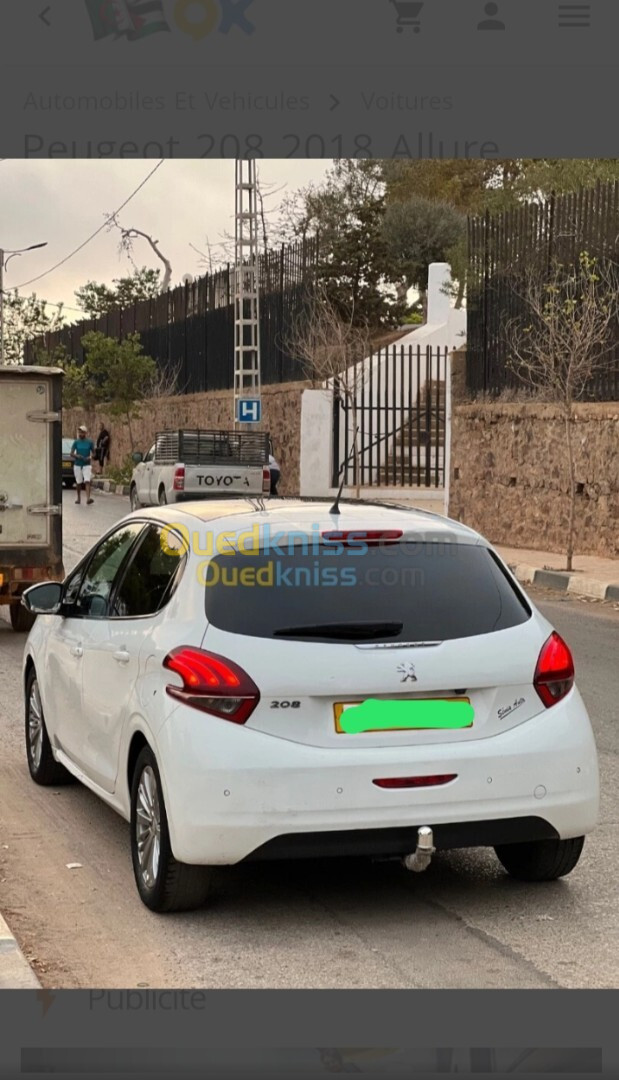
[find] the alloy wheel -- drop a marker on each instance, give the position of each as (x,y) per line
(35,725)
(148,827)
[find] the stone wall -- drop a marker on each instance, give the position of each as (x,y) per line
(281,406)
(509,477)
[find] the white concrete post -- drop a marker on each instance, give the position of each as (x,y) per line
(439,295)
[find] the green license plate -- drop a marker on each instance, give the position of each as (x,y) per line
(428,714)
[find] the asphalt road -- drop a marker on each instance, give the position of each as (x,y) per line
(463,923)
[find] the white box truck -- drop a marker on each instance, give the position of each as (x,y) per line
(30,483)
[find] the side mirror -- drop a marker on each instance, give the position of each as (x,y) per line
(44,599)
(137,458)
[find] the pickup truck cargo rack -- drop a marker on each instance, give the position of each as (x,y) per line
(199,447)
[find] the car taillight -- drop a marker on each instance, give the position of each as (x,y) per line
(266,481)
(212,683)
(179,478)
(554,674)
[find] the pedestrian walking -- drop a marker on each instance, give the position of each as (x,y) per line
(82,453)
(102,449)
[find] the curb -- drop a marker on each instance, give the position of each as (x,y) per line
(15,971)
(573,584)
(110,487)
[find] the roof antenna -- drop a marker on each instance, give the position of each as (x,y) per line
(335,509)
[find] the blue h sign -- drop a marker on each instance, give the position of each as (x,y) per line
(249,411)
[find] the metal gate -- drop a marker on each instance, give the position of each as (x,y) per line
(389,419)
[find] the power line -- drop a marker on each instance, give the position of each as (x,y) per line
(52,303)
(107,221)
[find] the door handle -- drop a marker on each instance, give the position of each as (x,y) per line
(122,656)
(76,650)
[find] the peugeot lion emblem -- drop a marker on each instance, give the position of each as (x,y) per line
(407,671)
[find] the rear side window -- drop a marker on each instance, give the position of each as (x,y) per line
(150,578)
(432,592)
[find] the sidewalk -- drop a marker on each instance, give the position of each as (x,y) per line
(101,484)
(592,576)
(15,971)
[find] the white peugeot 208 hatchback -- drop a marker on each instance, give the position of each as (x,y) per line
(247,683)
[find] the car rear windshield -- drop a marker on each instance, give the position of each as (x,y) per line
(400,592)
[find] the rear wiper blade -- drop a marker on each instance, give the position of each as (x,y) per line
(352,630)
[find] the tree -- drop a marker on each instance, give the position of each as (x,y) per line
(96,299)
(474,186)
(460,182)
(417,233)
(535,179)
(119,373)
(331,350)
(26,318)
(48,355)
(346,212)
(127,242)
(82,387)
(566,338)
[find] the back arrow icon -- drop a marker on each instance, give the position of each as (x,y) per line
(335,103)
(43,16)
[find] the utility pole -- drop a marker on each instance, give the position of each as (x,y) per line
(4,262)
(247,383)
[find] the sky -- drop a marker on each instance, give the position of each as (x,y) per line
(64,202)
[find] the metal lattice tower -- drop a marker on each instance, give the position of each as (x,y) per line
(246,286)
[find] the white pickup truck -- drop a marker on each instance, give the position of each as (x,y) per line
(192,464)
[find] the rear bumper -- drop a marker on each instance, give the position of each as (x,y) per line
(234,793)
(202,495)
(386,843)
(14,579)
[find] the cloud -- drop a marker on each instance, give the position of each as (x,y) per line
(63,202)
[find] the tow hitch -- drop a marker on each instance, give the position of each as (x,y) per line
(422,857)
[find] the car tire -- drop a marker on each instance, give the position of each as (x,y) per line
(22,620)
(163,498)
(164,884)
(541,860)
(44,769)
(133,498)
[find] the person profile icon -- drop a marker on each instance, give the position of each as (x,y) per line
(491,23)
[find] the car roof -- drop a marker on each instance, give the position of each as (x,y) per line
(292,515)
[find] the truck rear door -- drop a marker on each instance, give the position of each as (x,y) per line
(25,464)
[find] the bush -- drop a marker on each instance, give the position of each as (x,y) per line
(121,474)
(413,318)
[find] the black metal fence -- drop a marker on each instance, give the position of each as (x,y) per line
(189,331)
(389,417)
(504,248)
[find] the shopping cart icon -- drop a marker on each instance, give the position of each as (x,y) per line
(408,12)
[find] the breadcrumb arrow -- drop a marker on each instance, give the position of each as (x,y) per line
(335,103)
